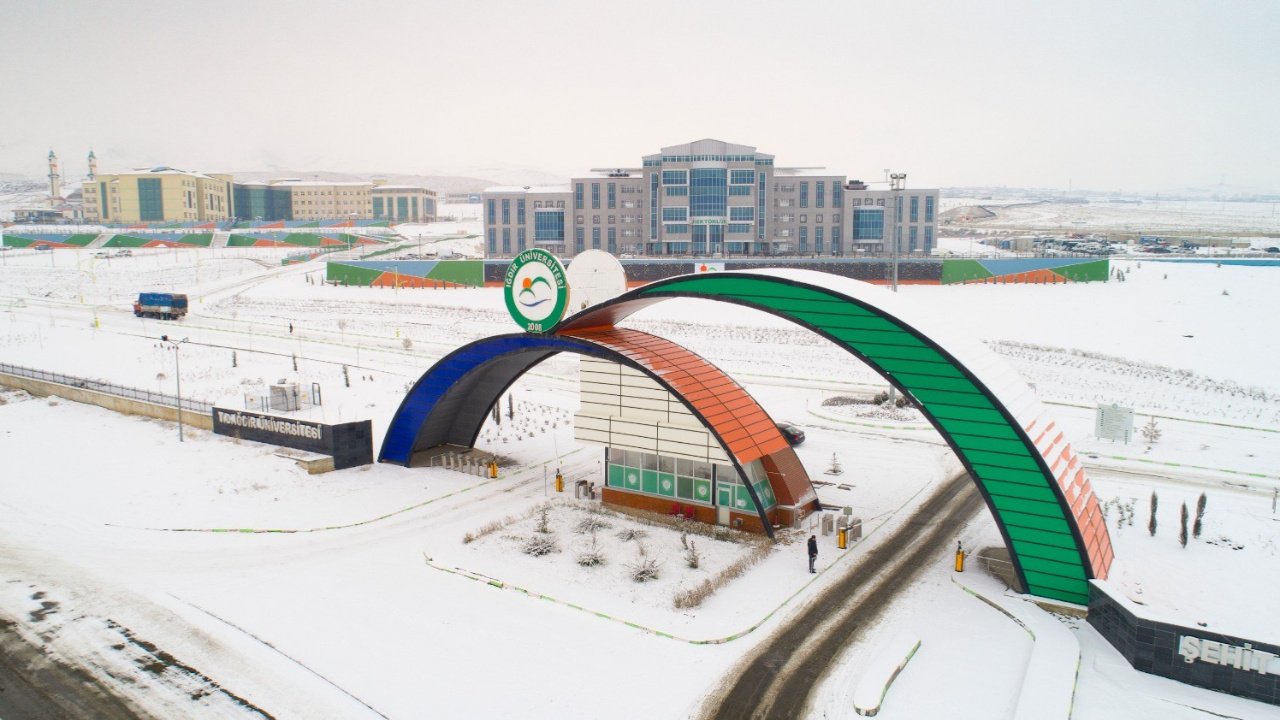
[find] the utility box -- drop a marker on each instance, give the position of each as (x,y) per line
(284,397)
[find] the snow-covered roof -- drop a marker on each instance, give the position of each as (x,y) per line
(319,183)
(401,187)
(805,172)
(165,170)
(529,189)
(709,146)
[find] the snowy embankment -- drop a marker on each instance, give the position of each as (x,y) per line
(356,615)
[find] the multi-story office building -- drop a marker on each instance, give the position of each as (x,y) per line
(257,200)
(164,194)
(709,198)
(403,203)
(292,199)
(326,200)
(160,194)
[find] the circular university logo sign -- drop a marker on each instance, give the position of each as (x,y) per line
(536,291)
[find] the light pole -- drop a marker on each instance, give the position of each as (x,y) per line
(177,374)
(897,181)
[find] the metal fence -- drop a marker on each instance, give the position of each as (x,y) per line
(72,381)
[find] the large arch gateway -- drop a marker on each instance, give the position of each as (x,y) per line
(1029,475)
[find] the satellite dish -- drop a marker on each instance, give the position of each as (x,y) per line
(594,276)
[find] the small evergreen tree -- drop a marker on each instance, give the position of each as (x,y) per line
(835,468)
(1182,534)
(1151,431)
(1195,530)
(1151,524)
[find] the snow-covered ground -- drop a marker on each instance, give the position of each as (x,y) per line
(1149,216)
(372,603)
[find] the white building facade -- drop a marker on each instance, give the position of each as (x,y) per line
(710,199)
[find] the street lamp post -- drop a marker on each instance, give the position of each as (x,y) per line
(178,375)
(897,182)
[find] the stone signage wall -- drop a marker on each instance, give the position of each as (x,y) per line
(1194,656)
(350,444)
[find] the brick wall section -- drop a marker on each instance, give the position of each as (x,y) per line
(789,480)
(1152,647)
(750,523)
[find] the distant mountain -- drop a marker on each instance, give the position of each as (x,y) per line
(440,183)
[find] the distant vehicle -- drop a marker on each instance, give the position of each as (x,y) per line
(162,306)
(44,247)
(124,253)
(793,434)
(1272,249)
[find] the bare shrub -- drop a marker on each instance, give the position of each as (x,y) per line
(692,557)
(695,596)
(591,523)
(628,534)
(487,529)
(540,545)
(544,522)
(648,517)
(644,568)
(496,525)
(591,555)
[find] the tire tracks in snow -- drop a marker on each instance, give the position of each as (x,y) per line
(775,680)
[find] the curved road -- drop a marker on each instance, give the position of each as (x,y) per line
(775,681)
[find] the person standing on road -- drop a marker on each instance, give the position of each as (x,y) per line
(290,328)
(813,552)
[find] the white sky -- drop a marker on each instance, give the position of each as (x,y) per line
(1104,95)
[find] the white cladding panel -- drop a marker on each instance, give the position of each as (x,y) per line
(624,408)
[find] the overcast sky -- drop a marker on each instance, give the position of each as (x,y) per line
(1129,95)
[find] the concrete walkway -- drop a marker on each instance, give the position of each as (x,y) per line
(1048,688)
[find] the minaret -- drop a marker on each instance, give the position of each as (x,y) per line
(93,165)
(55,180)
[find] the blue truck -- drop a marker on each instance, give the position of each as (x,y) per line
(163,306)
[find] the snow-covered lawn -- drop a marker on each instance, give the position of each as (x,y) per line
(371,599)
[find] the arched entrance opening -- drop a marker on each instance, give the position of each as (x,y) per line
(452,400)
(1028,474)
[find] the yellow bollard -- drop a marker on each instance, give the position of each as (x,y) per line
(493,468)
(842,538)
(559,482)
(959,559)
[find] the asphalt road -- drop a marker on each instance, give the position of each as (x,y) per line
(775,681)
(34,686)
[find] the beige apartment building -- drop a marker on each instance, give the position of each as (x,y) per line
(160,194)
(165,194)
(363,200)
(323,200)
(710,198)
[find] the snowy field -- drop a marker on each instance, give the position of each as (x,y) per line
(370,602)
(1150,217)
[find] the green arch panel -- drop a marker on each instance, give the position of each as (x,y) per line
(1038,524)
